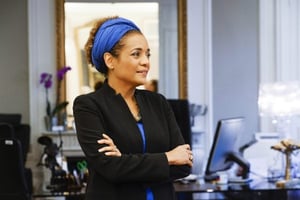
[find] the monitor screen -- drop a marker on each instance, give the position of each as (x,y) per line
(224,151)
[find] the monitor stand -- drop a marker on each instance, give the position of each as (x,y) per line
(243,175)
(211,177)
(215,178)
(239,180)
(242,162)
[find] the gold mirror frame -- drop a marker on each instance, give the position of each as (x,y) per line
(182,46)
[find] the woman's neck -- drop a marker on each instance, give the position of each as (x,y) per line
(124,89)
(127,92)
(133,107)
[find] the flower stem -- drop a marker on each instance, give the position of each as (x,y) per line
(48,107)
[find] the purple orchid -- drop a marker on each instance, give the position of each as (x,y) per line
(62,72)
(46,81)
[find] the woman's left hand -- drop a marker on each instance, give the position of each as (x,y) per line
(110,149)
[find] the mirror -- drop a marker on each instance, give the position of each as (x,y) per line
(181,37)
(80,19)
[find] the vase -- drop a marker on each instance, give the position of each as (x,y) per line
(51,122)
(57,122)
(48,123)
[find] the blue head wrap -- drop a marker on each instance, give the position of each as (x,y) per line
(107,36)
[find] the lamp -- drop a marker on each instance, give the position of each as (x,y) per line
(281,102)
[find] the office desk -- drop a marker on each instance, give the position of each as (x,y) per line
(255,190)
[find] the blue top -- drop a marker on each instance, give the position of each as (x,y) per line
(149,193)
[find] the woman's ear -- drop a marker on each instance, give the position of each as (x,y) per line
(108,59)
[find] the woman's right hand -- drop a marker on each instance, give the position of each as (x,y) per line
(110,149)
(180,155)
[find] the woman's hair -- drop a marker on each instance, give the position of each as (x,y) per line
(114,51)
(89,44)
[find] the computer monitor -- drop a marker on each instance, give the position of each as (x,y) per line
(225,151)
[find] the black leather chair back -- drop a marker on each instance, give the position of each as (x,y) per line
(6,130)
(13,185)
(181,109)
(20,131)
(11,127)
(11,118)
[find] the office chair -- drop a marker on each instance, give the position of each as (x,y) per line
(13,184)
(6,130)
(21,131)
(181,110)
(11,127)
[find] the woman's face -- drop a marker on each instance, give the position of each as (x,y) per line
(132,65)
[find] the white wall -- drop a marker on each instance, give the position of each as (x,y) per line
(199,63)
(235,62)
(222,73)
(14,88)
(42,58)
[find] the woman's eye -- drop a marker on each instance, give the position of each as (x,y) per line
(136,54)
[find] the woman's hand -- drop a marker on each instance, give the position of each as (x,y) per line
(110,149)
(180,155)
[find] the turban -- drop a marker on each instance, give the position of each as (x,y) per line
(109,33)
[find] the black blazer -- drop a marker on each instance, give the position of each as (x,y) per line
(126,177)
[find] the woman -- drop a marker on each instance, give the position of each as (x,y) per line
(130,138)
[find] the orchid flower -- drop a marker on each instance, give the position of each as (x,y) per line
(46,81)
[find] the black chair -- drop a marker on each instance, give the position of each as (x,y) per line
(6,130)
(181,109)
(21,131)
(11,118)
(11,128)
(13,184)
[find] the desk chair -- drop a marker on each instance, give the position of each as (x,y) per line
(8,131)
(13,184)
(21,131)
(181,111)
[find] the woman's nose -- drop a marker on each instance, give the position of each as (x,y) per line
(145,60)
